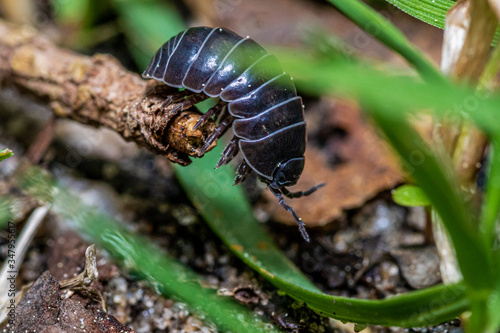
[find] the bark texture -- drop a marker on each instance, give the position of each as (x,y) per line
(98,91)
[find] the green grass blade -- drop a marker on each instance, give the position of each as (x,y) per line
(432,12)
(139,255)
(493,325)
(391,94)
(381,29)
(5,211)
(148,24)
(228,213)
(491,206)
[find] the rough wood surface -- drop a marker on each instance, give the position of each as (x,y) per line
(98,91)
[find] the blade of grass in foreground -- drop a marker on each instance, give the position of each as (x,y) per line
(229,214)
(391,95)
(141,256)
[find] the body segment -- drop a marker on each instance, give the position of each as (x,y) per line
(262,104)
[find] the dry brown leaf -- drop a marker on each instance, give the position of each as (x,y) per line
(368,167)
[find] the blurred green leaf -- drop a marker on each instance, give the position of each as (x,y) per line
(72,12)
(410,196)
(5,211)
(229,214)
(391,94)
(384,31)
(5,154)
(493,305)
(491,203)
(148,24)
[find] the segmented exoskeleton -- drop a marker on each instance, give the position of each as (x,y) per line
(259,99)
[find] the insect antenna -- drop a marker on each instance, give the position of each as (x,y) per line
(299,194)
(302,227)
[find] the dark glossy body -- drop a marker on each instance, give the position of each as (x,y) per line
(269,115)
(266,113)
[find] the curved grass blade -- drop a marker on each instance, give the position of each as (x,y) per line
(390,94)
(148,24)
(381,29)
(436,180)
(141,256)
(228,213)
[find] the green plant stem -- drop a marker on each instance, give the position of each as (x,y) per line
(487,81)
(491,206)
(381,29)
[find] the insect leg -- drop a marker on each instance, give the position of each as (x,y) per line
(174,98)
(229,152)
(301,193)
(189,102)
(162,90)
(302,227)
(215,110)
(242,173)
(222,115)
(223,126)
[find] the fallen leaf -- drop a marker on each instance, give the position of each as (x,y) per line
(366,168)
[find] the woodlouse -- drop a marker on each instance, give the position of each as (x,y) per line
(256,97)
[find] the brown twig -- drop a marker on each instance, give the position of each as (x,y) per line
(98,91)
